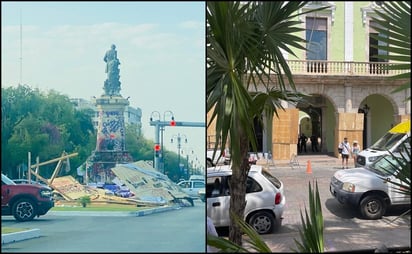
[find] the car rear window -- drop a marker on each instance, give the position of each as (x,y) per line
(272,178)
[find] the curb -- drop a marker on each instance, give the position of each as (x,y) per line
(20,236)
(34,233)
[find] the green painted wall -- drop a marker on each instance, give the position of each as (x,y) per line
(337,34)
(360,36)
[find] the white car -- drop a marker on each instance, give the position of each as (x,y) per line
(265,199)
(370,189)
(192,187)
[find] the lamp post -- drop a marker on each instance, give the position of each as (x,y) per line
(159,128)
(189,151)
(179,145)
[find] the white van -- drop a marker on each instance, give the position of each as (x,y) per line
(390,142)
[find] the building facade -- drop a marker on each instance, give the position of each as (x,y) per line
(349,93)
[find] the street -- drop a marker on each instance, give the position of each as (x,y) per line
(181,230)
(344,229)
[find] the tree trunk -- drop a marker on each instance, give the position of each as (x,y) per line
(240,170)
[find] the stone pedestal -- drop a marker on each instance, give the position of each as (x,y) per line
(110,144)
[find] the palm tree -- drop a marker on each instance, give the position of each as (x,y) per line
(393,22)
(244,52)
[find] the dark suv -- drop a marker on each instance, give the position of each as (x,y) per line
(24,201)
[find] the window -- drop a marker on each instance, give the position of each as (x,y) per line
(316,36)
(377,65)
(198,185)
(252,186)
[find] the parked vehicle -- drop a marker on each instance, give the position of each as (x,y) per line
(265,199)
(371,189)
(26,181)
(24,201)
(218,158)
(192,187)
(390,142)
(197,177)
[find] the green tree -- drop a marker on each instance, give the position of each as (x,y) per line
(45,124)
(244,51)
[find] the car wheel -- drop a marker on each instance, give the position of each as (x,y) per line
(372,207)
(263,222)
(190,201)
(24,209)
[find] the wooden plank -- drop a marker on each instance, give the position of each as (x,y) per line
(54,160)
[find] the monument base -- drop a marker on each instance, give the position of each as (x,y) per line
(101,162)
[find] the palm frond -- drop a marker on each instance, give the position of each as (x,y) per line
(400,168)
(393,23)
(311,233)
(254,240)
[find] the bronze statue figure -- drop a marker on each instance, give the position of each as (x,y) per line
(112,83)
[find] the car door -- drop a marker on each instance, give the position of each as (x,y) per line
(218,205)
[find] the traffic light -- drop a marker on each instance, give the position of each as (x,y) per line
(173,122)
(157,150)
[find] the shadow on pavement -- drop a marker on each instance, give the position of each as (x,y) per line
(342,211)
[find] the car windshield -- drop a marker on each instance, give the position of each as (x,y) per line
(386,165)
(387,141)
(6,180)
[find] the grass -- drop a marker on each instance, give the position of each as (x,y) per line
(98,207)
(7,230)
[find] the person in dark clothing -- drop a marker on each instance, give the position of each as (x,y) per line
(314,142)
(303,139)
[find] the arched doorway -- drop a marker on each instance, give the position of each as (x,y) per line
(310,125)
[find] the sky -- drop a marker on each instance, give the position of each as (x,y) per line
(160,45)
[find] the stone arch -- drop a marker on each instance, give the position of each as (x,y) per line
(380,115)
(321,109)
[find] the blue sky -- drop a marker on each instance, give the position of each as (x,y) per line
(160,45)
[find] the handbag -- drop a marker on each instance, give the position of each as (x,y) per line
(340,148)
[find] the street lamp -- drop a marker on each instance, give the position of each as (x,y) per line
(188,151)
(155,119)
(179,145)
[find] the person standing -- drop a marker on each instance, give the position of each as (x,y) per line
(355,151)
(303,140)
(314,143)
(346,150)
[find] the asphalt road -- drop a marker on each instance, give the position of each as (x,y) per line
(179,230)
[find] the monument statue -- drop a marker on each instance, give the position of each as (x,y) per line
(112,83)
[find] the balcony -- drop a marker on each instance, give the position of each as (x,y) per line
(318,67)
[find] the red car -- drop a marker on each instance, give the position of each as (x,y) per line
(24,201)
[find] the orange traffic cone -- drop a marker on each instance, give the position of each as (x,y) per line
(309,168)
